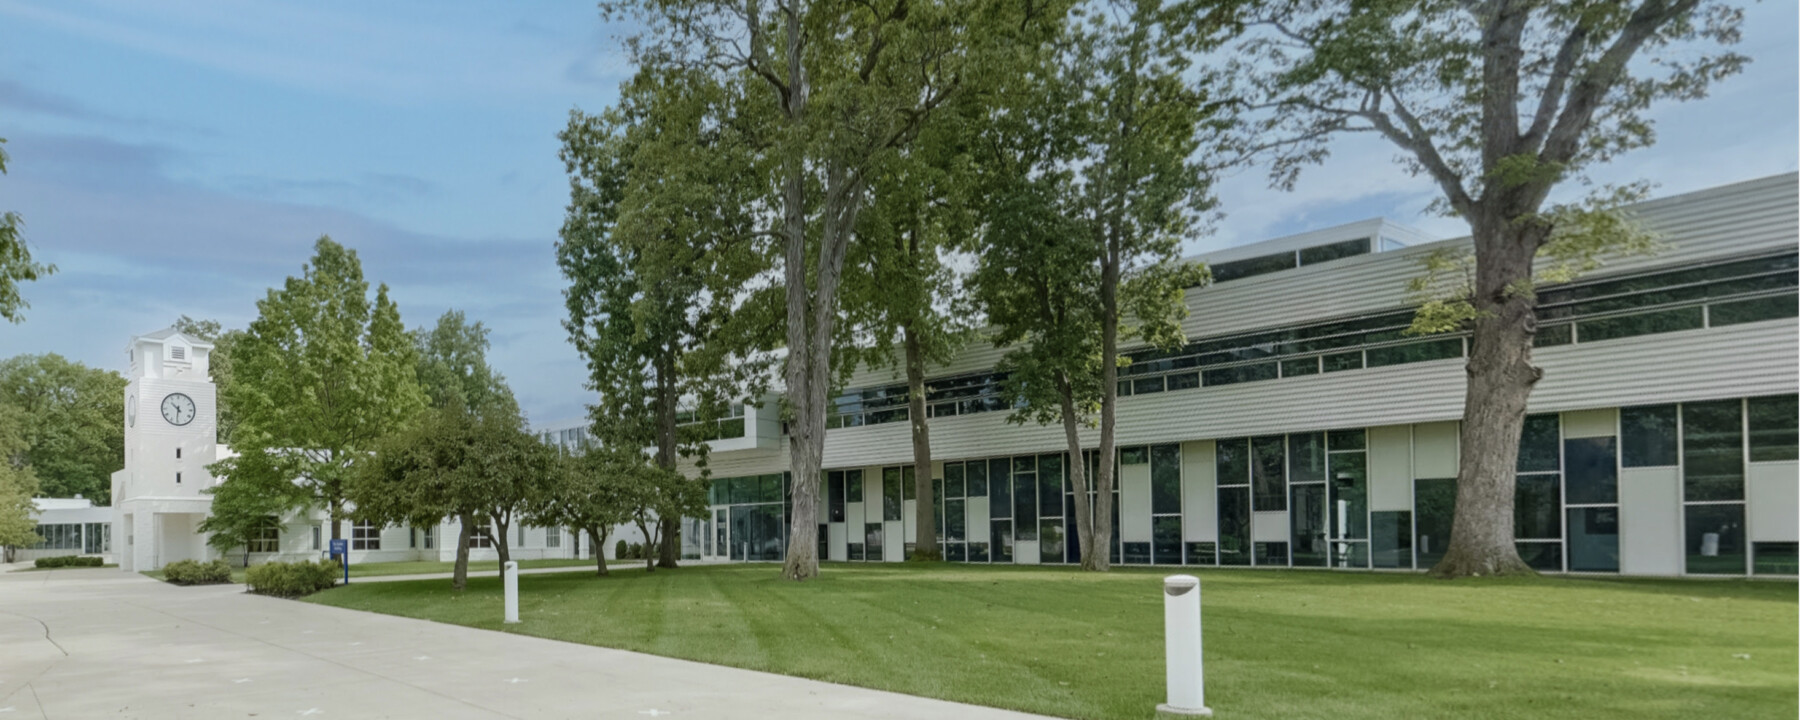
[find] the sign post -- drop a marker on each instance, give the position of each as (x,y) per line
(340,549)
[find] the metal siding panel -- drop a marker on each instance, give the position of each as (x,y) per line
(1650,521)
(1434,449)
(1269,527)
(1390,468)
(1134,503)
(1772,494)
(1603,422)
(1199,486)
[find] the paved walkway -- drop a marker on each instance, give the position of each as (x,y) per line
(105,643)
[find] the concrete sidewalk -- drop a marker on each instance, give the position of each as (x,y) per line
(104,643)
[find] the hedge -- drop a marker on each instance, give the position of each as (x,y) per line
(282,579)
(70,561)
(192,572)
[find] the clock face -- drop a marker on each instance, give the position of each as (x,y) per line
(131,411)
(178,409)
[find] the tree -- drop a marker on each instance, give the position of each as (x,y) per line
(16,265)
(908,308)
(455,463)
(589,495)
(659,243)
(218,366)
(18,485)
(1499,103)
(72,421)
(849,84)
(1096,175)
(319,377)
(453,367)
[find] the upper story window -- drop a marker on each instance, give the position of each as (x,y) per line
(1290,259)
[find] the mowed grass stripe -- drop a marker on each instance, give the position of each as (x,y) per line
(1280,644)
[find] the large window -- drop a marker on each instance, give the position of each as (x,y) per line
(1591,480)
(266,538)
(60,536)
(365,536)
(1712,446)
(1537,494)
(481,536)
(1774,428)
(1647,436)
(1232,465)
(1348,498)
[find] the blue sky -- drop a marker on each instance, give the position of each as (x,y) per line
(181,157)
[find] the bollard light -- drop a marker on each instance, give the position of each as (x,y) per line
(1181,637)
(510,578)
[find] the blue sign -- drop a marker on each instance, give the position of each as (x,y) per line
(340,549)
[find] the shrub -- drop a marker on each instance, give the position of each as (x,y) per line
(191,572)
(293,579)
(637,551)
(61,561)
(621,551)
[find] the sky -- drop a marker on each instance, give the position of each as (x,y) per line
(181,157)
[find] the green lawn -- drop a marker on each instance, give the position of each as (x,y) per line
(1279,644)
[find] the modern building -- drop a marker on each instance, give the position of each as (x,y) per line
(69,526)
(1301,427)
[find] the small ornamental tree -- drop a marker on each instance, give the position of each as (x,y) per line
(1500,103)
(588,495)
(452,463)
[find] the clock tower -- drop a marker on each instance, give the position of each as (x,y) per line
(171,411)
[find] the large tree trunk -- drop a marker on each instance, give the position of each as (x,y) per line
(1101,559)
(459,578)
(925,537)
(1078,479)
(667,438)
(599,540)
(1500,380)
(644,526)
(806,426)
(500,540)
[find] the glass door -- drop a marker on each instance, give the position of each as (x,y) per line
(718,539)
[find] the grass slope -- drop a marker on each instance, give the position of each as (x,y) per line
(1279,644)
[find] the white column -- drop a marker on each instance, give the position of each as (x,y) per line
(1181,632)
(511,581)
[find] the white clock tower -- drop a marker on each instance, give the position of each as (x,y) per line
(171,435)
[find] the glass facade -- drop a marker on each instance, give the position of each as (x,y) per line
(1715,294)
(1567,499)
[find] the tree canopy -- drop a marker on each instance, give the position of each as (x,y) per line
(454,463)
(1499,103)
(319,376)
(71,419)
(453,367)
(16,265)
(1095,175)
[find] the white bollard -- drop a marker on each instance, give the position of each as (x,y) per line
(510,578)
(1181,637)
